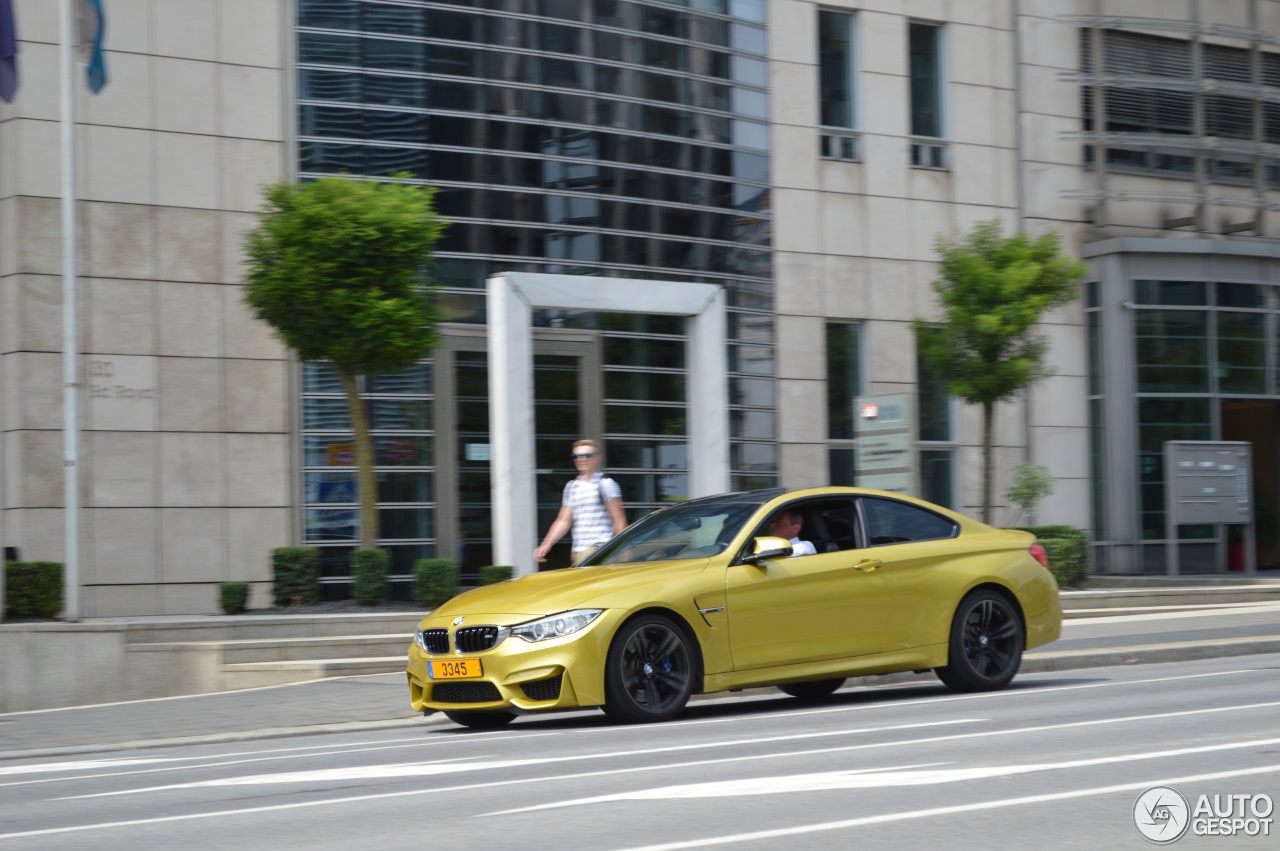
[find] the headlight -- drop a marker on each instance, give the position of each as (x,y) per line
(417,639)
(555,626)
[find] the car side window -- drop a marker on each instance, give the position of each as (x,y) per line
(892,522)
(835,526)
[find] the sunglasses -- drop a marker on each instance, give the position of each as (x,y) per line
(576,455)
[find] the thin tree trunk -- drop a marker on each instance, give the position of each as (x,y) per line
(365,462)
(988,412)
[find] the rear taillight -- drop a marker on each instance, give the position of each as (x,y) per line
(1038,553)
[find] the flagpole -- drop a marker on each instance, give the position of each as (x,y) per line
(70,353)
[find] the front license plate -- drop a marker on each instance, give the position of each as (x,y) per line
(452,669)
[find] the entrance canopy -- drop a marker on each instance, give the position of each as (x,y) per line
(511,300)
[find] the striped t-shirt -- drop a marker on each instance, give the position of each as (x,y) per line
(591,523)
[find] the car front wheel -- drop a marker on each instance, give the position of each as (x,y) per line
(986,644)
(650,671)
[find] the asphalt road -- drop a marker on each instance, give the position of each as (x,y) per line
(1056,761)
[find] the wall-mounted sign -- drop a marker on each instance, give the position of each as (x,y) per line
(122,392)
(885,456)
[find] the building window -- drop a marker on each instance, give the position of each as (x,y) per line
(1150,95)
(835,69)
(927,130)
(936,434)
(844,385)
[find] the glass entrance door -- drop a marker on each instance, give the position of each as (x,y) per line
(567,405)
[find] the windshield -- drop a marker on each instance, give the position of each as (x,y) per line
(692,530)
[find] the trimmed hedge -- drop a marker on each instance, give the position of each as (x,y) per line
(434,580)
(32,589)
(233,596)
(296,575)
(369,569)
(1066,547)
(491,574)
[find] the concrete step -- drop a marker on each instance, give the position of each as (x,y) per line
(1109,601)
(291,649)
(256,674)
(252,627)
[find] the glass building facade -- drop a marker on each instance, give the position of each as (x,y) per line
(605,138)
(1189,355)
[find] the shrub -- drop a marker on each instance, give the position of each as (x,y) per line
(1066,548)
(33,589)
(296,575)
(369,569)
(491,574)
(1031,484)
(233,596)
(434,580)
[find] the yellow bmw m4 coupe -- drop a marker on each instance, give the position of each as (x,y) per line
(705,597)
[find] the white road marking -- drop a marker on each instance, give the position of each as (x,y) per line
(471,738)
(720,840)
(431,769)
(187,761)
(79,765)
(953,810)
(435,769)
(831,780)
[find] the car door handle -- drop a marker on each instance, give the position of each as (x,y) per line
(868,565)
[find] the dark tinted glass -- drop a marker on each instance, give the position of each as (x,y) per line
(383,161)
(400,20)
(394,55)
(395,91)
(1188,293)
(329,14)
(454,26)
(328,49)
(892,522)
(1242,295)
(329,85)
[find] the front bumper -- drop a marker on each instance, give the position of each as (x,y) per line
(517,675)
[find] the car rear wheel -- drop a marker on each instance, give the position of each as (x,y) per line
(813,690)
(986,644)
(650,671)
(481,720)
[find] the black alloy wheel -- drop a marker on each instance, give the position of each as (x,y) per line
(986,644)
(481,720)
(650,671)
(812,690)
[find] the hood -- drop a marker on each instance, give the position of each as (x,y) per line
(570,588)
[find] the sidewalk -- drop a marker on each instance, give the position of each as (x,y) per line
(380,701)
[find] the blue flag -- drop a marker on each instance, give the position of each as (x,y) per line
(8,52)
(93,24)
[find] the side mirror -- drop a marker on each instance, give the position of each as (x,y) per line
(768,547)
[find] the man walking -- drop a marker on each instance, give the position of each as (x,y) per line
(591,506)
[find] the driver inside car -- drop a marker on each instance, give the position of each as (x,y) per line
(786,524)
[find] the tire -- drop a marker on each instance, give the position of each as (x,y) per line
(986,644)
(813,690)
(481,720)
(650,671)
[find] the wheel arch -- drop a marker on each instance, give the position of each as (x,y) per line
(1005,592)
(699,678)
